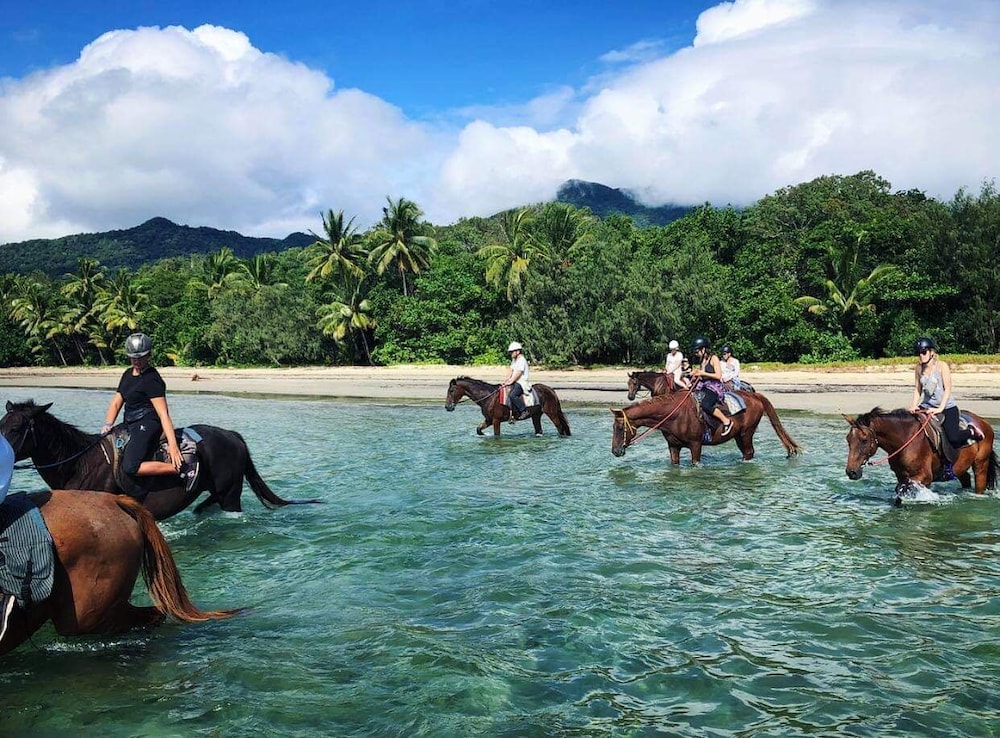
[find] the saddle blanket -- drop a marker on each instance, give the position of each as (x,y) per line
(732,403)
(27,561)
(939,439)
(187,440)
(530,398)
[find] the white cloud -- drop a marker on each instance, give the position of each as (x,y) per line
(203,128)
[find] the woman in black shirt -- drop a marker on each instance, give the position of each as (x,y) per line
(143,393)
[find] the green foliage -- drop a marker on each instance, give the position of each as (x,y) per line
(830,270)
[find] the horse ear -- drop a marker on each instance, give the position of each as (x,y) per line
(41,409)
(850,420)
(10,406)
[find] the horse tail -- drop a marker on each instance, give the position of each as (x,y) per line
(991,471)
(786,440)
(558,417)
(264,493)
(159,569)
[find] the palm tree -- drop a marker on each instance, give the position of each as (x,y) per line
(220,270)
(508,262)
(847,294)
(260,271)
(36,307)
(562,228)
(121,305)
(338,255)
(399,240)
(79,319)
(350,315)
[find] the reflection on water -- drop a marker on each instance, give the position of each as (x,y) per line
(461,585)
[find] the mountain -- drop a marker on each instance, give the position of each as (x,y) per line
(604,201)
(155,239)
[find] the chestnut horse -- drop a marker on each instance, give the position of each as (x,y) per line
(487,396)
(677,417)
(102,542)
(901,434)
(68,458)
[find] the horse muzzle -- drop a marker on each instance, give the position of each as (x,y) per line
(618,451)
(854,473)
(449,406)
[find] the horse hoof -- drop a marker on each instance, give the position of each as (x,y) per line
(538,435)
(897,501)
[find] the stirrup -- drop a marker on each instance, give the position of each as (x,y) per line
(6,608)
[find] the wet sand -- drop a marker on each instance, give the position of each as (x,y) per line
(817,391)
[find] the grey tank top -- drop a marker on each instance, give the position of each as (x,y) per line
(933,389)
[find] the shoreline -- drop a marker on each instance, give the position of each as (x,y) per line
(816,391)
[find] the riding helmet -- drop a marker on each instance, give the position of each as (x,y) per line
(699,343)
(725,350)
(923,344)
(137,345)
(514,346)
(673,345)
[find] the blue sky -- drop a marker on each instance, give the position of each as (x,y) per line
(258,116)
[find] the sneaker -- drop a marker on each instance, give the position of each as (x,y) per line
(977,435)
(189,475)
(7,602)
(726,429)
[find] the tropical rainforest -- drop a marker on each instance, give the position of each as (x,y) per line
(840,268)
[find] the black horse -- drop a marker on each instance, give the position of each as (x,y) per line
(68,458)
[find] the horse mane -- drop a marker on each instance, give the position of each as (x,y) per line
(481,384)
(65,436)
(877,412)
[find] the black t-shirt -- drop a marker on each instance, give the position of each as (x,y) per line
(138,392)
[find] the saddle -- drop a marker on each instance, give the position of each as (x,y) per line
(530,398)
(938,439)
(27,559)
(731,404)
(187,440)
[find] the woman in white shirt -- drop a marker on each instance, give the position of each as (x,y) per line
(730,369)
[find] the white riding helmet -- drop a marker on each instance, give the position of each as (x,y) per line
(514,346)
(673,345)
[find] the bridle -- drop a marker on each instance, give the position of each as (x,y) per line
(629,426)
(31,430)
(873,444)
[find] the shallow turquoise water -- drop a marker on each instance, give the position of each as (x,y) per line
(455,585)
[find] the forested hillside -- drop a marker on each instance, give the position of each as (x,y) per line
(157,238)
(838,268)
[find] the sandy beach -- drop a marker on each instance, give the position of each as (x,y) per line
(817,391)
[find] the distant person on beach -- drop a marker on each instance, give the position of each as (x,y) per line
(710,375)
(143,393)
(730,369)
(932,392)
(517,380)
(672,364)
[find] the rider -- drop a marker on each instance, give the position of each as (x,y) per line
(932,392)
(7,600)
(730,369)
(517,380)
(710,373)
(144,394)
(672,365)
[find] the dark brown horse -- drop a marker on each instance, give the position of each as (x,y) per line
(658,383)
(68,458)
(678,418)
(487,396)
(910,455)
(102,542)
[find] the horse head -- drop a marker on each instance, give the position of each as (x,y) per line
(622,432)
(455,393)
(633,385)
(18,427)
(862,443)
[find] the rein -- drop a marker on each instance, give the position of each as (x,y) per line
(481,399)
(908,442)
(669,415)
(77,455)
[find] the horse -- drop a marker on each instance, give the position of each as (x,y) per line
(68,458)
(102,542)
(487,396)
(911,456)
(677,416)
(658,383)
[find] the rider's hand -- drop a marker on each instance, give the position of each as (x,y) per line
(106,427)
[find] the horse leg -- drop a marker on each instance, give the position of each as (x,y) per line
(482,426)
(496,427)
(744,441)
(536,420)
(965,479)
(696,453)
(675,452)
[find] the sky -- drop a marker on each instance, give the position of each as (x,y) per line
(258,117)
